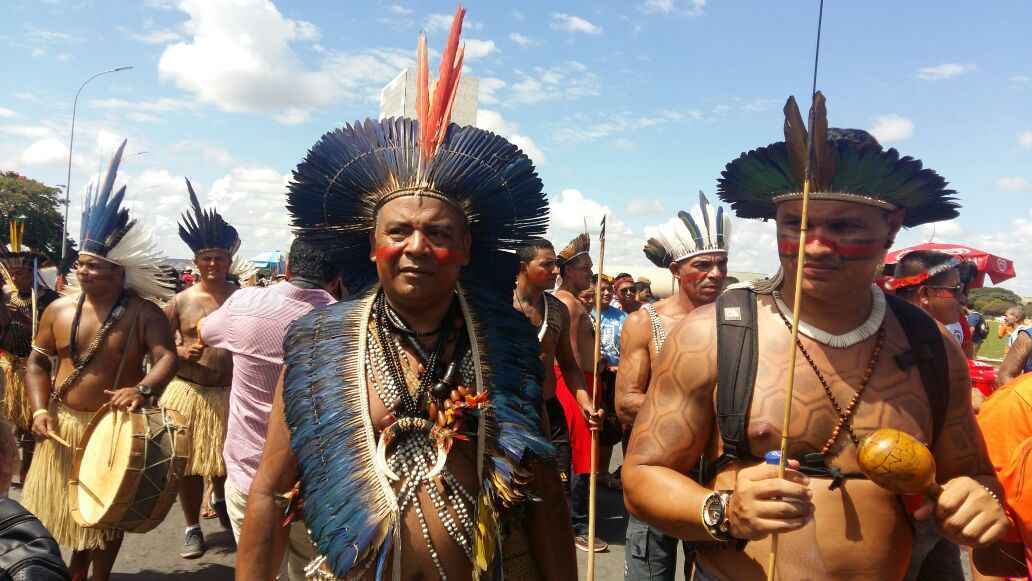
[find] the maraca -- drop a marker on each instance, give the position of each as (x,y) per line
(898,462)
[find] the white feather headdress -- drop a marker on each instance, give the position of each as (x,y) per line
(109,234)
(699,232)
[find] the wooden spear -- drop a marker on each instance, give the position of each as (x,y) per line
(593,479)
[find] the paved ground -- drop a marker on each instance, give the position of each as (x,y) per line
(154,556)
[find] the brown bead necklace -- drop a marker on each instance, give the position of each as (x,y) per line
(845,416)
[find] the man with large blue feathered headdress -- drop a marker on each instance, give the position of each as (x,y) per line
(409,413)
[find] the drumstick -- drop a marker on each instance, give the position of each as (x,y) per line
(58,439)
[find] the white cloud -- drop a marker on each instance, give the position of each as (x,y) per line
(253,199)
(475,48)
(644,207)
(47,151)
(1025,139)
(240,58)
(489,86)
(944,71)
(1013,184)
(693,7)
(1021,79)
(157,36)
(572,211)
(206,151)
(567,81)
(161,105)
(522,40)
(937,230)
(581,129)
(494,122)
(29,131)
(892,128)
(7,113)
(400,10)
(571,23)
(442,23)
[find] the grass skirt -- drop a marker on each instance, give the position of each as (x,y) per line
(46,486)
(15,405)
(205,410)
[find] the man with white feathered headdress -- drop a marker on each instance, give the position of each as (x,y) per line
(694,247)
(99,335)
(200,391)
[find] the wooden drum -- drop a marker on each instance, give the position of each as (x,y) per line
(127,468)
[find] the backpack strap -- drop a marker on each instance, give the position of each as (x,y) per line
(928,353)
(737,356)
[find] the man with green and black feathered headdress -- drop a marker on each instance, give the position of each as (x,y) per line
(200,390)
(407,426)
(866,362)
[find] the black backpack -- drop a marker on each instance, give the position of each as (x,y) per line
(737,353)
(27,551)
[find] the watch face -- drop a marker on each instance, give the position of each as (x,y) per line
(713,511)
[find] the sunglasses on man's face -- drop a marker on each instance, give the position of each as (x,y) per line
(626,291)
(946,291)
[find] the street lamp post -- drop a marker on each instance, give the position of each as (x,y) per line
(71,141)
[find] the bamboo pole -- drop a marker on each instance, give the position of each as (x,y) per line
(593,478)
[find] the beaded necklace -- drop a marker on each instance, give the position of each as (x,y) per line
(845,417)
(412,444)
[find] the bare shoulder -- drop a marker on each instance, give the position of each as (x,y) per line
(698,327)
(689,356)
(148,309)
(573,306)
(636,327)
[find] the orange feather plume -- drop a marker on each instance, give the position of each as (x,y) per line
(434,115)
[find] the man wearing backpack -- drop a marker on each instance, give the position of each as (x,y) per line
(867,361)
(693,247)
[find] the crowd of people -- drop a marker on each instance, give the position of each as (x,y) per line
(429,392)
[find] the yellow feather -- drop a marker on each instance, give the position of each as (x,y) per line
(486,535)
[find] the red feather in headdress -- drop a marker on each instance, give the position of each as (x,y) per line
(434,115)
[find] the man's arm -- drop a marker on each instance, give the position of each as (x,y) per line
(967,512)
(212,329)
(1014,362)
(671,433)
(575,312)
(37,373)
(572,372)
(549,530)
(635,367)
(263,538)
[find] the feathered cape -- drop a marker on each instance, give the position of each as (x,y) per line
(351,510)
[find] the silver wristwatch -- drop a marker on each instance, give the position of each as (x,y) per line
(145,390)
(714,515)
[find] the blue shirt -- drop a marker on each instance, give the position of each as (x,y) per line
(612,324)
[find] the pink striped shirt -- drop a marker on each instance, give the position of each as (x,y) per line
(251,325)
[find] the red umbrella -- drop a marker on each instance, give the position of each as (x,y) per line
(998,268)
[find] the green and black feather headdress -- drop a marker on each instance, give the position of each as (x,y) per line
(207,230)
(847,165)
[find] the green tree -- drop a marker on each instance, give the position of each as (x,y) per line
(980,298)
(40,206)
(994,307)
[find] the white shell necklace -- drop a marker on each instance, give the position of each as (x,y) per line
(865,331)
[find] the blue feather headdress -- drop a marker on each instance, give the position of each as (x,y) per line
(206,230)
(847,165)
(110,234)
(334,197)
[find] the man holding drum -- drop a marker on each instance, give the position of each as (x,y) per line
(100,336)
(200,390)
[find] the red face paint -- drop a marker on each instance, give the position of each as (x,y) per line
(388,253)
(446,256)
(847,250)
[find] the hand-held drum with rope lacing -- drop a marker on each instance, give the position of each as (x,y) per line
(127,468)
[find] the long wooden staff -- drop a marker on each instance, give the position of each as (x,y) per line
(593,479)
(797,290)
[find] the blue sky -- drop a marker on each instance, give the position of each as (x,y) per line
(628,107)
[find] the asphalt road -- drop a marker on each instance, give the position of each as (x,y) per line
(154,556)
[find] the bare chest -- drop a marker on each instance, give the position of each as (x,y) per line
(191,309)
(893,397)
